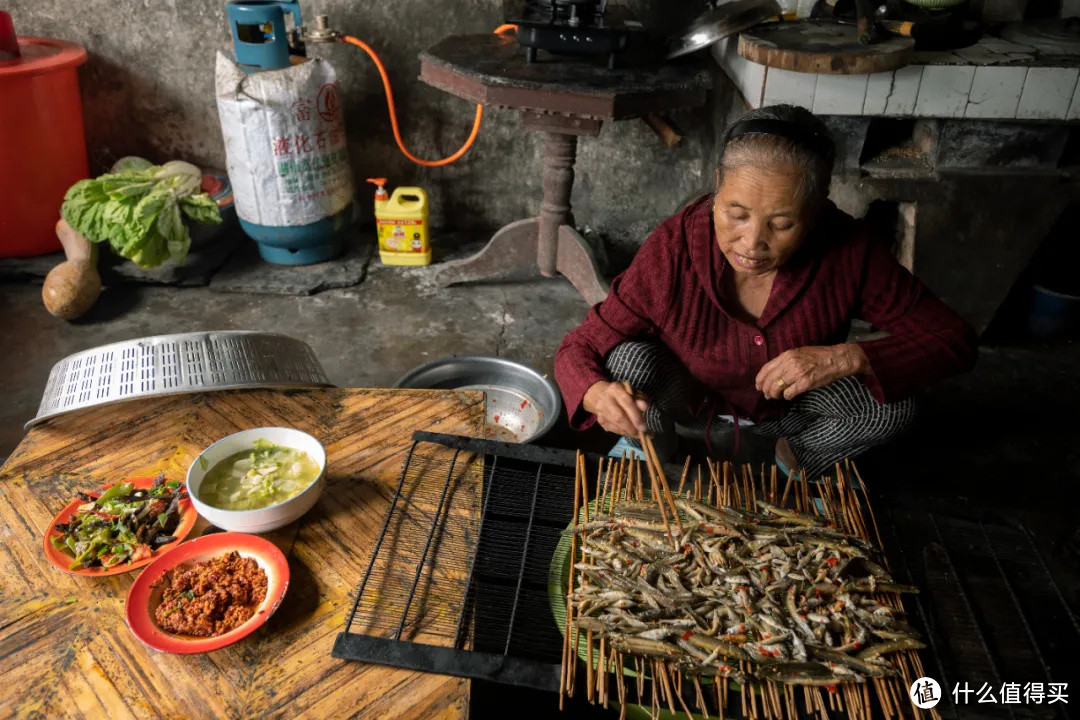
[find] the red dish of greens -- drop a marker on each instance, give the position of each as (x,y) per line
(119,527)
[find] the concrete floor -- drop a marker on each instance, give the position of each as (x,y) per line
(364,336)
(1003,437)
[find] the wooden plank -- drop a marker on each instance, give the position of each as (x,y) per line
(67,650)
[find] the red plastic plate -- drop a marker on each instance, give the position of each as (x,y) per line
(62,560)
(145,595)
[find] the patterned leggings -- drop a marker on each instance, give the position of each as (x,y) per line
(822,426)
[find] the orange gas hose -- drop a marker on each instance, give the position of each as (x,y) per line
(393,112)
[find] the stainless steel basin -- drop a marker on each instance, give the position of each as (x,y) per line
(522,405)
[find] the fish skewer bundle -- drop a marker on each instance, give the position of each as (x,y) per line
(723,582)
(777,588)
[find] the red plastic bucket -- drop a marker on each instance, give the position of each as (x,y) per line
(42,146)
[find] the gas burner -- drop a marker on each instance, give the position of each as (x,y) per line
(571,27)
(571,13)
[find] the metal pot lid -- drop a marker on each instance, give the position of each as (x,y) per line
(720,22)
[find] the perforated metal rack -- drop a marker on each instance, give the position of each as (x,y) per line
(184,362)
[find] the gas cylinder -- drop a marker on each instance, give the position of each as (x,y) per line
(285,141)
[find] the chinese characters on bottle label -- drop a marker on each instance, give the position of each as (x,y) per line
(285,142)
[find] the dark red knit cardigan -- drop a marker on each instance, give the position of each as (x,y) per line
(672,293)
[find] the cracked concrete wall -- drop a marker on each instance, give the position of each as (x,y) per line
(148,89)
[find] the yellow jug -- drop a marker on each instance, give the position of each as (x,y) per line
(402,223)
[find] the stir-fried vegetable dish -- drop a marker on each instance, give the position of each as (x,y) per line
(121,524)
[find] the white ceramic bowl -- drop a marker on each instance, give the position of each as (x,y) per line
(267,518)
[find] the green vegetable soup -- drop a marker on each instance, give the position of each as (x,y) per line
(253,479)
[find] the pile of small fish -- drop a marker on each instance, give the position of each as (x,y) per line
(777,588)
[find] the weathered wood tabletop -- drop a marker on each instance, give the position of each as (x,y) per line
(64,645)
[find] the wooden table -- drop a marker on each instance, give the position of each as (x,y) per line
(563,98)
(64,647)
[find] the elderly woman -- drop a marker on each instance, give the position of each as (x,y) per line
(738,308)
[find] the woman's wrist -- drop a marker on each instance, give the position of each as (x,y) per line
(588,403)
(855,359)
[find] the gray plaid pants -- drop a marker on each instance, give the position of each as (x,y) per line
(822,426)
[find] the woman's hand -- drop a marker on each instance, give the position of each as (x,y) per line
(793,372)
(615,408)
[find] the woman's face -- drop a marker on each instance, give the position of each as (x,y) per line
(759,217)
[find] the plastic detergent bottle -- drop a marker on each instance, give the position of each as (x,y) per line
(402,223)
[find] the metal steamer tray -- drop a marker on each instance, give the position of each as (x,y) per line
(174,364)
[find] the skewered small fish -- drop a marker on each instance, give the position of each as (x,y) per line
(779,588)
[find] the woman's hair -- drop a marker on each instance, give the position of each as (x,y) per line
(777,136)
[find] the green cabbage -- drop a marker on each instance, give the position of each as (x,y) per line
(137,209)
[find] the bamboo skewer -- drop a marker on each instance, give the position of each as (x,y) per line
(668,691)
(620,683)
(677,692)
(753,486)
(616,487)
(663,513)
(700,696)
(656,475)
(654,692)
(825,509)
(753,700)
(585,514)
(735,497)
(714,481)
(590,679)
(566,660)
(787,488)
(742,686)
(598,493)
(685,472)
(603,681)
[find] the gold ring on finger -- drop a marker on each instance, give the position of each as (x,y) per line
(781,383)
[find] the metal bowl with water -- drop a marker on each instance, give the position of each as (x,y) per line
(522,404)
